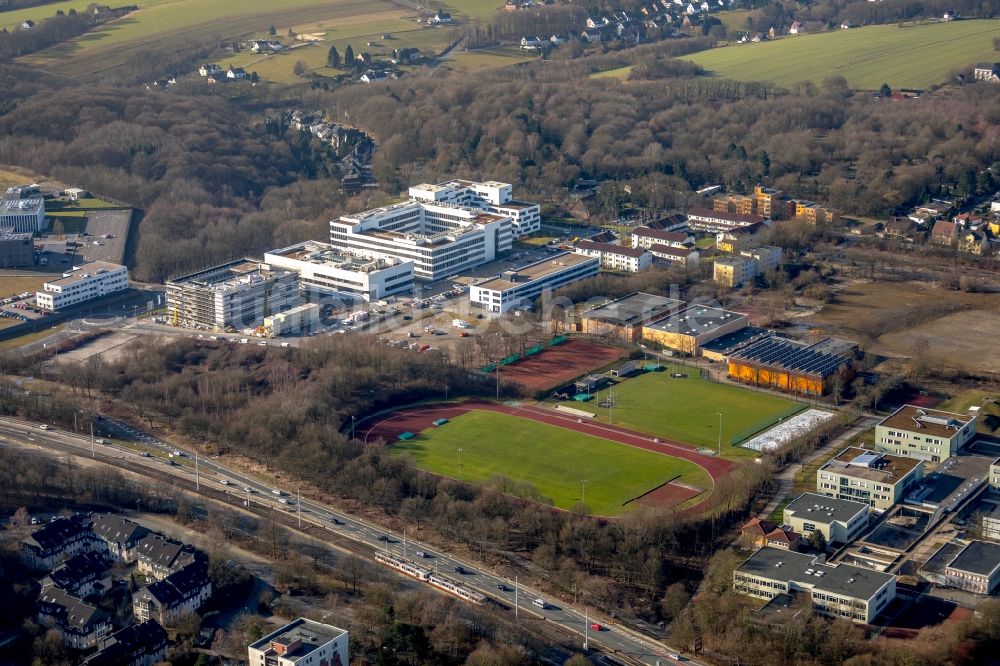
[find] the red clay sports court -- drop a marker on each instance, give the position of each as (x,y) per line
(559,364)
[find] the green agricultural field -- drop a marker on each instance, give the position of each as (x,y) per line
(473,9)
(616,73)
(471,61)
(686,409)
(170,26)
(552,459)
(914,56)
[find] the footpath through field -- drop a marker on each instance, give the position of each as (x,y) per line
(417,419)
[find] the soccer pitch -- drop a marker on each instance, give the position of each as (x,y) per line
(687,409)
(555,460)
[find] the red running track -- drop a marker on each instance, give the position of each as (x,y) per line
(416,419)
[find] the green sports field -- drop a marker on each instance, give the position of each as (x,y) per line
(913,56)
(553,459)
(686,409)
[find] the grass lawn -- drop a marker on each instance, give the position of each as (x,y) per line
(686,409)
(989,412)
(470,61)
(28,338)
(473,9)
(534,242)
(914,56)
(553,459)
(11,285)
(616,73)
(10,176)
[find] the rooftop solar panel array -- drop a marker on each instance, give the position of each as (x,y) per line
(790,356)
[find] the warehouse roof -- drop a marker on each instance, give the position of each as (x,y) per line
(634,309)
(789,355)
(697,320)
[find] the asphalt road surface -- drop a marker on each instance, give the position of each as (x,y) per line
(615,640)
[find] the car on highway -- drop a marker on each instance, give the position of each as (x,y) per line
(248,489)
(144,454)
(675,657)
(336,521)
(261,344)
(596,626)
(101,440)
(275,491)
(224,482)
(459,570)
(44,427)
(382,537)
(284,500)
(502,587)
(421,553)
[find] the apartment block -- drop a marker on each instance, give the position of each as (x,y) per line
(709,221)
(838,520)
(615,257)
(813,213)
(490,196)
(512,289)
(440,239)
(732,272)
(688,257)
(647,237)
(835,590)
(770,203)
(83,283)
(235,295)
(301,643)
(877,479)
(923,433)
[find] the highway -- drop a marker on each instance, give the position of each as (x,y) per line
(616,641)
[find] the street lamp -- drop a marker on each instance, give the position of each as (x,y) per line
(583,482)
(460,464)
(352,426)
(720,432)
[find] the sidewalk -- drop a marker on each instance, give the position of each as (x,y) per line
(786,477)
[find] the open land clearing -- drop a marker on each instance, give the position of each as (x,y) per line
(686,409)
(911,56)
(555,460)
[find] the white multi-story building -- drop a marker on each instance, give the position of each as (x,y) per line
(301,643)
(836,590)
(491,196)
(923,433)
(838,520)
(238,294)
(23,208)
(83,283)
(512,289)
(440,239)
(324,269)
(615,257)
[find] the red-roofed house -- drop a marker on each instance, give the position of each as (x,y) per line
(616,257)
(757,533)
(684,256)
(944,233)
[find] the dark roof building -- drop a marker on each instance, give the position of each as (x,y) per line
(81,624)
(976,568)
(120,535)
(142,644)
(625,317)
(161,556)
(55,541)
(81,575)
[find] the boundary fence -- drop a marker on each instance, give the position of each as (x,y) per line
(531,351)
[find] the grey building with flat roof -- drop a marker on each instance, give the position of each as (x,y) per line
(625,317)
(16,249)
(838,520)
(976,568)
(302,642)
(836,590)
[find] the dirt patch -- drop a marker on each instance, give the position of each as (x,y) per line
(668,495)
(952,340)
(108,346)
(559,364)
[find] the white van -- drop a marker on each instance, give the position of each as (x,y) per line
(540,603)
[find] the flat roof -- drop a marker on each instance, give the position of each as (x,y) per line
(236,275)
(634,309)
(978,557)
(739,218)
(928,421)
(807,571)
(871,465)
(537,271)
(611,248)
(696,320)
(791,355)
(661,234)
(312,634)
(89,269)
(825,509)
(26,205)
(732,341)
(325,254)
(8,235)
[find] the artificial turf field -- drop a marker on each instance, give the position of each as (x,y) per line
(686,409)
(553,459)
(908,56)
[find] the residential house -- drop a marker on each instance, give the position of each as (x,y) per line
(373,76)
(813,213)
(236,73)
(158,556)
(731,272)
(646,237)
(924,433)
(838,520)
(58,540)
(986,71)
(738,238)
(973,242)
(944,233)
(81,575)
(142,644)
(210,70)
(405,56)
(184,591)
(758,533)
(441,18)
(119,536)
(615,257)
(82,626)
(28,25)
(686,257)
(531,43)
(709,221)
(796,29)
(874,478)
(976,568)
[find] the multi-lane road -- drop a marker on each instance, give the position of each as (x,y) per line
(146,452)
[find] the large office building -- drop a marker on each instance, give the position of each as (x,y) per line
(836,590)
(301,643)
(324,269)
(83,283)
(440,239)
(625,317)
(871,477)
(235,295)
(838,520)
(16,248)
(23,209)
(924,433)
(491,197)
(516,288)
(686,330)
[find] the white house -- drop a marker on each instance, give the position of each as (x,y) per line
(236,73)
